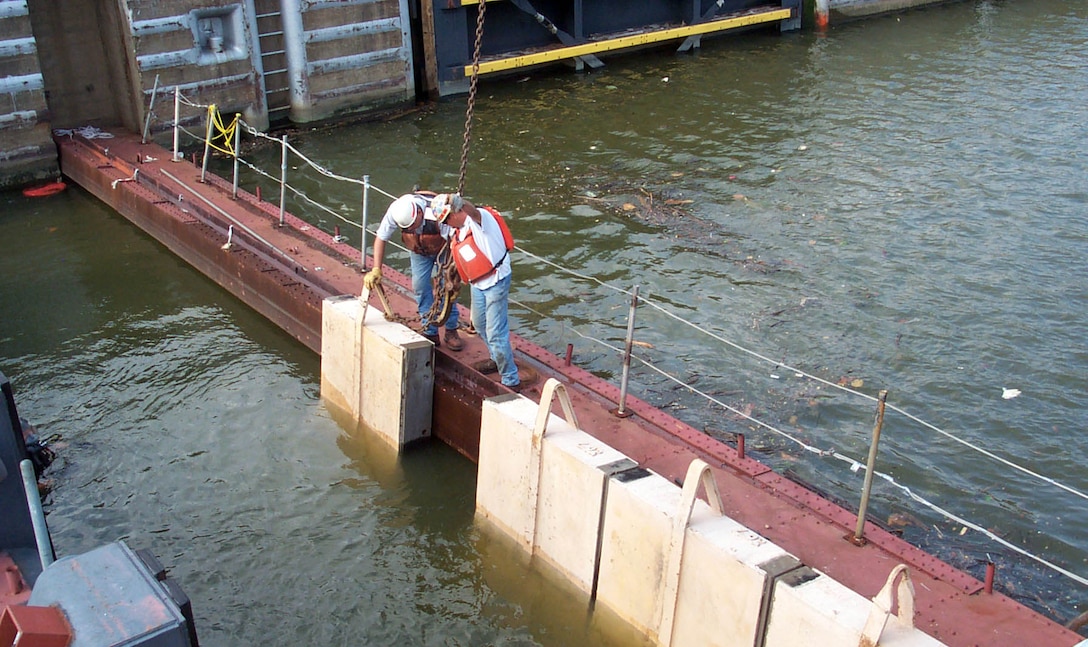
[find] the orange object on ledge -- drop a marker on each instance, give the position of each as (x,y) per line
(23,626)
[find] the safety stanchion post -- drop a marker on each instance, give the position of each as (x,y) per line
(237,148)
(622,411)
(207,142)
(858,538)
(283,176)
(177,123)
(362,236)
(150,108)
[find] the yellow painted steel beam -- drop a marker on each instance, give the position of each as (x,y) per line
(624,42)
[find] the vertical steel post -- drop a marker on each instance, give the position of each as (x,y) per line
(150,107)
(362,236)
(859,532)
(237,144)
(207,144)
(622,410)
(283,176)
(295,57)
(177,122)
(37,514)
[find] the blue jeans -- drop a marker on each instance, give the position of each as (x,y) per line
(489,316)
(422,267)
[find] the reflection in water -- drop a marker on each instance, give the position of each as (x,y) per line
(897,205)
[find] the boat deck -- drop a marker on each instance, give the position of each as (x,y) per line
(285,272)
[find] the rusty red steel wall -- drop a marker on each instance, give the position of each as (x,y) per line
(287,290)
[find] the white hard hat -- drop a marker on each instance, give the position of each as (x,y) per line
(403,211)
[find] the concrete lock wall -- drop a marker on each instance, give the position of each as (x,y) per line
(210,53)
(27,152)
(665,561)
(350,57)
(835,12)
(379,372)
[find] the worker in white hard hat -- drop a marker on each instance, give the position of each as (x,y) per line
(424,239)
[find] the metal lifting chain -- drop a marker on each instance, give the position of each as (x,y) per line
(445,285)
(446,282)
(472,95)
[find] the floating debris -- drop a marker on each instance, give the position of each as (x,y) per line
(1009,394)
(904,519)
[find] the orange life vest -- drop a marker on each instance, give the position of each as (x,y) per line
(426,241)
(472,264)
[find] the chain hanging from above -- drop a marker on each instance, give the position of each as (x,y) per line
(446,282)
(472,95)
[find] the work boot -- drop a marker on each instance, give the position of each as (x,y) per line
(453,340)
(486,366)
(433,339)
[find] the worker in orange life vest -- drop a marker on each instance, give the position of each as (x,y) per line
(481,247)
(424,238)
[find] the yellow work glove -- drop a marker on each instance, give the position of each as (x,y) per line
(372,278)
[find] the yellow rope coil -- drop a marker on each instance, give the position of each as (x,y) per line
(221,131)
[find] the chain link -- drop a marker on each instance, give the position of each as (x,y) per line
(472,95)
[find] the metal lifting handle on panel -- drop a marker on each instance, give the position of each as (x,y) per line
(891,595)
(551,388)
(698,474)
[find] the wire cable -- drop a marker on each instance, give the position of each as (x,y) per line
(854,464)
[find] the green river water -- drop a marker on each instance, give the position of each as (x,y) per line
(901,204)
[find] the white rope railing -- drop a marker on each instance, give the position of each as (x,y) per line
(815,378)
(303,196)
(854,465)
